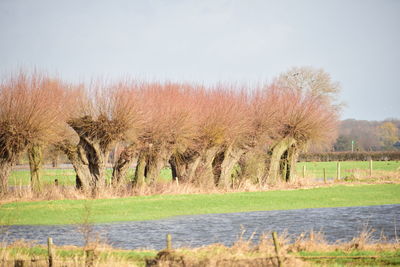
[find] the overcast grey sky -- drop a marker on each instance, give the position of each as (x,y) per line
(357,42)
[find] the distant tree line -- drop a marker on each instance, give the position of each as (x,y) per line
(362,135)
(207,134)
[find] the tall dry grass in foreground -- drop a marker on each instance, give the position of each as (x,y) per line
(244,252)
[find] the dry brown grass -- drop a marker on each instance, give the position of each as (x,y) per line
(305,242)
(244,252)
(19,251)
(378,176)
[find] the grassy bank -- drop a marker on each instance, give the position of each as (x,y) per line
(73,256)
(113,257)
(164,206)
(138,258)
(244,253)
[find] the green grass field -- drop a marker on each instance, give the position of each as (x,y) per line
(164,206)
(313,169)
(384,258)
(65,176)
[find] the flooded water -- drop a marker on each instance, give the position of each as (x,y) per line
(198,230)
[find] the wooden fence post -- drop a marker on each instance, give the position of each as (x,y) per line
(324,170)
(277,249)
(169,242)
(338,171)
(50,251)
(370,168)
(90,257)
(304,171)
(18,263)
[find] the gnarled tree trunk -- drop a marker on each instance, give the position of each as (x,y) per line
(204,175)
(5,171)
(291,160)
(140,172)
(224,164)
(96,156)
(278,150)
(123,163)
(35,156)
(253,166)
(8,158)
(184,165)
(156,160)
(77,157)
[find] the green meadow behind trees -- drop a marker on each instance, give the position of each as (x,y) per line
(165,206)
(348,168)
(313,170)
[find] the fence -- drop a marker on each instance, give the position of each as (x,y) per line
(51,261)
(354,156)
(279,259)
(348,170)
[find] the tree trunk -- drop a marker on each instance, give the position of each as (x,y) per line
(184,165)
(204,175)
(253,166)
(77,157)
(55,160)
(140,172)
(97,158)
(284,165)
(174,168)
(292,156)
(5,171)
(35,156)
(122,165)
(191,168)
(155,162)
(224,167)
(216,165)
(274,173)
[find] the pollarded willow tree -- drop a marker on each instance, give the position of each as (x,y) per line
(237,132)
(307,113)
(265,123)
(303,118)
(220,128)
(30,109)
(35,149)
(102,115)
(170,127)
(215,120)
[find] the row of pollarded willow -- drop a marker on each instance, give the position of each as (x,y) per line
(202,132)
(29,111)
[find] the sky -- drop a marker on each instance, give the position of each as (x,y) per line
(208,41)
